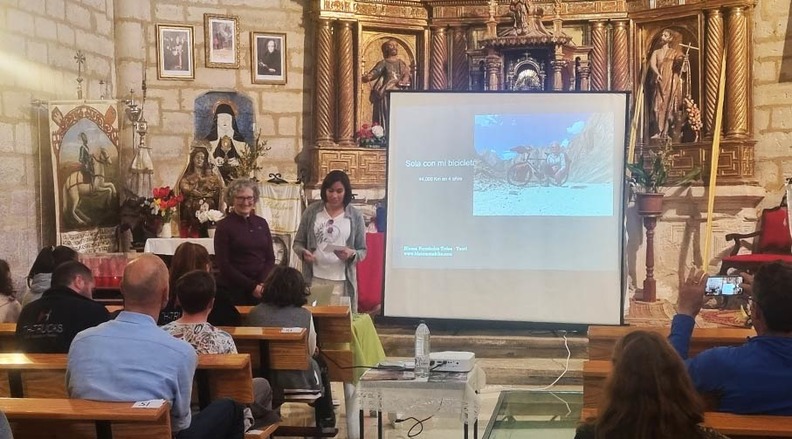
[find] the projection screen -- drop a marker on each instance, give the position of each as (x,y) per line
(505,206)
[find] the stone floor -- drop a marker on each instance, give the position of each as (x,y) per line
(435,428)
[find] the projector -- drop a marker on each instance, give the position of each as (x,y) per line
(451,361)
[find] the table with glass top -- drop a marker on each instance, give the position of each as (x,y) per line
(535,414)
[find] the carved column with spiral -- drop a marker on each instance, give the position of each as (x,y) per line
(737,68)
(324,97)
(460,75)
(599,56)
(620,74)
(346,85)
(712,69)
(437,66)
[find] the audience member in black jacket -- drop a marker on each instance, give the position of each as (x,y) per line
(49,324)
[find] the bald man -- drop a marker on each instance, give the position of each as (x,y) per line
(131,359)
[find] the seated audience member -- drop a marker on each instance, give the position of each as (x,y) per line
(9,306)
(282,300)
(40,275)
(188,257)
(131,359)
(49,325)
(5,427)
(648,395)
(755,378)
(196,293)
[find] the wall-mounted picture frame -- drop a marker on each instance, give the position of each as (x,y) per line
(175,52)
(268,56)
(222,41)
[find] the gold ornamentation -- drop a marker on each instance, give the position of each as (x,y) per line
(437,66)
(712,68)
(460,61)
(346,89)
(323,109)
(365,166)
(599,67)
(621,58)
(737,68)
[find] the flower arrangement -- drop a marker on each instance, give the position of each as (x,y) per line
(207,215)
(372,136)
(654,177)
(163,204)
(693,115)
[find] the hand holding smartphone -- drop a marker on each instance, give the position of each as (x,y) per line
(723,286)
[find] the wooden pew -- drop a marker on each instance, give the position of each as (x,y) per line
(270,348)
(595,373)
(736,426)
(76,418)
(44,376)
(602,339)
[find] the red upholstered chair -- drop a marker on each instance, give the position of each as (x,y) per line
(772,242)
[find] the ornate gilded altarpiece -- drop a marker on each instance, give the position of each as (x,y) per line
(570,45)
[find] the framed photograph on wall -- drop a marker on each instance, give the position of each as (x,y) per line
(222,41)
(175,52)
(268,55)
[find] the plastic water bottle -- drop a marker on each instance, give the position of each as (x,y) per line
(422,351)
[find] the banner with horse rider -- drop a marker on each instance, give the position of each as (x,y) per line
(86,173)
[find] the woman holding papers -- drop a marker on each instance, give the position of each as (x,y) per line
(331,238)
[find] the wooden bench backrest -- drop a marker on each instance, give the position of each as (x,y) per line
(77,419)
(602,339)
(736,426)
(44,376)
(284,351)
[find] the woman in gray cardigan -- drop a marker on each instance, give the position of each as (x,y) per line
(331,239)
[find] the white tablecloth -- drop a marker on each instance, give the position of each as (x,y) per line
(167,246)
(450,394)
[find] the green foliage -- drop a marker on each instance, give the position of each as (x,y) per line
(654,177)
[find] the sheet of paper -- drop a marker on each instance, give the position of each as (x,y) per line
(334,247)
(291,330)
(150,404)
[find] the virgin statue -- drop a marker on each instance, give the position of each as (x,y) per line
(200,184)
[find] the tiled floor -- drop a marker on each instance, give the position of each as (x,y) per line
(435,428)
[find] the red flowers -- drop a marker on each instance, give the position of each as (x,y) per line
(164,203)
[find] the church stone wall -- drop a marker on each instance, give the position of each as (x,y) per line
(282,111)
(39,39)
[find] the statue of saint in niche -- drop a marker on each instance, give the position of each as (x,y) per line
(666,64)
(390,73)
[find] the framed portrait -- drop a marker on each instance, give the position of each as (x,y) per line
(175,52)
(268,55)
(222,41)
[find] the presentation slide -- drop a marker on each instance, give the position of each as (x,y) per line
(506,206)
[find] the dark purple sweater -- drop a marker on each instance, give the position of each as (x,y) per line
(243,252)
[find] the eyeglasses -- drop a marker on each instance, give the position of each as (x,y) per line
(244,199)
(330,227)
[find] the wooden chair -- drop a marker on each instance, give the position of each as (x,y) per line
(772,242)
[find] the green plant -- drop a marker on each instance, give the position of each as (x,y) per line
(654,177)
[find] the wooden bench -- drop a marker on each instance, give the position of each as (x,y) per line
(736,426)
(44,376)
(602,339)
(76,418)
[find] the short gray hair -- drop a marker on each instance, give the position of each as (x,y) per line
(237,185)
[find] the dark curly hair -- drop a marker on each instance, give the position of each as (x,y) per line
(6,283)
(285,287)
(771,290)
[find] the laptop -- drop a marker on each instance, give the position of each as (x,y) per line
(320,295)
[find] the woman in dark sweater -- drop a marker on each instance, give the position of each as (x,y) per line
(649,395)
(284,294)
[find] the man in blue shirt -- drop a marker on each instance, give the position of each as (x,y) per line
(131,359)
(755,378)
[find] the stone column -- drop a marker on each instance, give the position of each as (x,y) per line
(437,65)
(599,56)
(460,75)
(325,96)
(584,71)
(620,73)
(712,69)
(346,85)
(737,77)
(493,71)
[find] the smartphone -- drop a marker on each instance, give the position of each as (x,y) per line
(723,286)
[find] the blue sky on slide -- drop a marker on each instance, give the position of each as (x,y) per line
(501,132)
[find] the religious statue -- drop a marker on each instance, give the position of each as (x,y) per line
(519,10)
(226,141)
(200,184)
(666,65)
(389,73)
